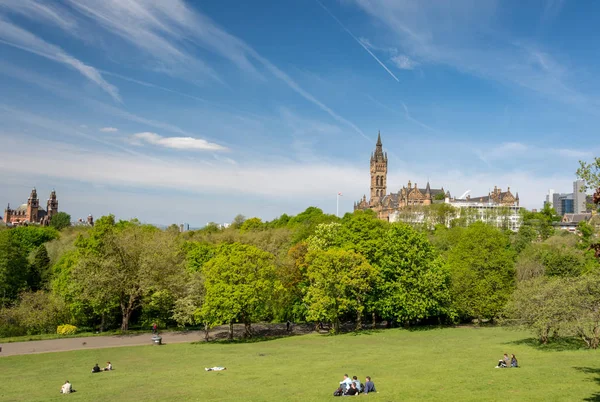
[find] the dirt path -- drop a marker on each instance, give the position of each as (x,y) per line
(99,342)
(94,342)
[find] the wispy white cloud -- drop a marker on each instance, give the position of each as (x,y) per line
(50,12)
(15,36)
(109,129)
(459,33)
(404,62)
(293,180)
(180,143)
(519,150)
(360,42)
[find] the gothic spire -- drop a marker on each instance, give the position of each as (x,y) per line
(378,138)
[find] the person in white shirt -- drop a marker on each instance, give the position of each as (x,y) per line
(108,366)
(345,383)
(66,388)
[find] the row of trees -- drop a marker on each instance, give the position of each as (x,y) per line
(310,267)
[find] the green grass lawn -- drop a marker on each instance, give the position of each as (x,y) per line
(453,364)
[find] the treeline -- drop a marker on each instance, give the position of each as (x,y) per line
(311,267)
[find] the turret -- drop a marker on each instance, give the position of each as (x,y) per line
(33,205)
(7,214)
(378,172)
(52,204)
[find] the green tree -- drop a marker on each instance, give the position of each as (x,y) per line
(240,284)
(128,261)
(60,220)
(39,269)
(31,237)
(251,225)
(414,280)
(238,221)
(483,273)
(340,281)
(541,305)
(13,267)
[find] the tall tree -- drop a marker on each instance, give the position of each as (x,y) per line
(483,273)
(128,261)
(415,282)
(13,267)
(240,284)
(340,281)
(39,269)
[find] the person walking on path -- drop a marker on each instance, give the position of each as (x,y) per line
(154,328)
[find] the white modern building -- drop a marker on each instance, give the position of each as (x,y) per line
(500,209)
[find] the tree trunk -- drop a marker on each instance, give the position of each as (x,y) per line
(102,320)
(230,330)
(336,326)
(125,322)
(127,309)
(247,330)
(206,329)
(374,321)
(358,320)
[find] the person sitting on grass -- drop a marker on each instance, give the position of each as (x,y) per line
(501,364)
(96,369)
(513,361)
(352,391)
(369,386)
(67,388)
(108,366)
(345,383)
(356,382)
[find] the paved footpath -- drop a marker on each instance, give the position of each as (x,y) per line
(95,342)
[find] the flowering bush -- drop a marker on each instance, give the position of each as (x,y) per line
(66,329)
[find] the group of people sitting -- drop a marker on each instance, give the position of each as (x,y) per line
(353,387)
(97,369)
(507,362)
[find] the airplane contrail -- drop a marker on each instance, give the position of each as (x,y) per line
(358,41)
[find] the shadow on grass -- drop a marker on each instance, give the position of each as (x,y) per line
(555,345)
(235,341)
(593,371)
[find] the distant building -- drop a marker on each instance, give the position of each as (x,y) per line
(31,212)
(569,203)
(184,227)
(89,221)
(498,208)
(550,198)
(385,204)
(579,197)
(570,221)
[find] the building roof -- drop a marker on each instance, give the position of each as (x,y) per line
(576,218)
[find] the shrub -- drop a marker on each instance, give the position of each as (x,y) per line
(66,329)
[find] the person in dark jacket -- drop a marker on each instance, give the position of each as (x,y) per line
(513,361)
(369,386)
(352,390)
(96,369)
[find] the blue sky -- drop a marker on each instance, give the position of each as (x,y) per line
(195,111)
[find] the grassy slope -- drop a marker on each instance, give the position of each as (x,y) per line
(442,364)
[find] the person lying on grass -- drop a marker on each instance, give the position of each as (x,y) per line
(217,368)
